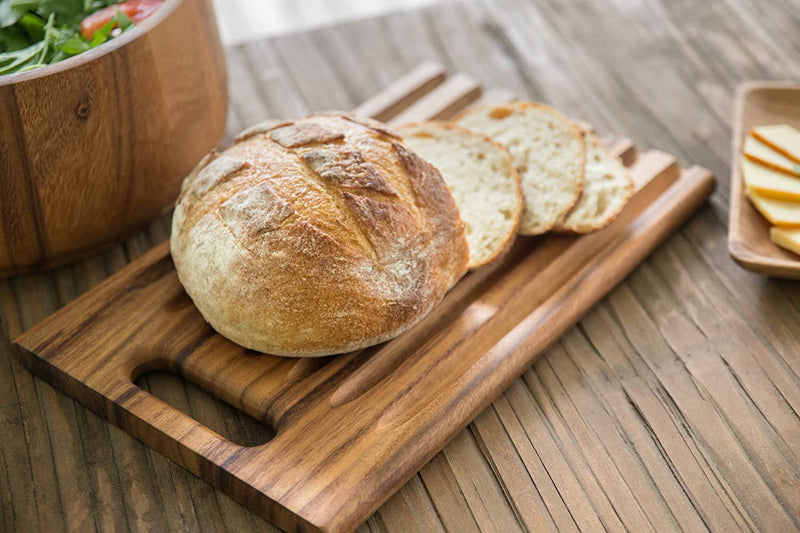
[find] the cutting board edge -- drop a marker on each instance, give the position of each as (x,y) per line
(259,501)
(524,357)
(209,471)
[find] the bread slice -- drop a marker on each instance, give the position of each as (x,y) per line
(547,150)
(482,178)
(607,187)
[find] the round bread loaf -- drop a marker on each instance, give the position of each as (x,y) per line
(316,237)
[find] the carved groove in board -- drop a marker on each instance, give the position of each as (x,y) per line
(654,174)
(454,95)
(399,95)
(304,367)
(398,351)
(684,196)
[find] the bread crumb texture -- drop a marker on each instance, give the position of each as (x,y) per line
(482,179)
(546,149)
(315,237)
(607,188)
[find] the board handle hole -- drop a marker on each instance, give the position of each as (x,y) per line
(194,401)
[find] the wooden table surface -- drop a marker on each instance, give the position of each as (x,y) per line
(672,405)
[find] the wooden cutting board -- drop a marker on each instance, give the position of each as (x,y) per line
(350,429)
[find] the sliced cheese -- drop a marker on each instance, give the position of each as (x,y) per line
(764,154)
(769,183)
(778,212)
(782,138)
(788,238)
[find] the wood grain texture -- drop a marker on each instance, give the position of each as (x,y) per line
(621,418)
(349,429)
(95,146)
(759,104)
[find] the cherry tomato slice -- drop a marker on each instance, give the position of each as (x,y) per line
(137,10)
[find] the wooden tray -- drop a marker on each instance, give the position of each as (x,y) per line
(350,429)
(759,104)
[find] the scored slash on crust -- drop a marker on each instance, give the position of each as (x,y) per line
(317,236)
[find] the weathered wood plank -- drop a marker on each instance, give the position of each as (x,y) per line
(446,495)
(508,467)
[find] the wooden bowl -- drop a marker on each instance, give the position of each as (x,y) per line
(759,104)
(94,146)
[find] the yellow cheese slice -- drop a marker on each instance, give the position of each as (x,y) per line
(764,154)
(778,212)
(769,183)
(788,238)
(782,138)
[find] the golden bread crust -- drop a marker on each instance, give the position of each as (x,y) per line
(316,237)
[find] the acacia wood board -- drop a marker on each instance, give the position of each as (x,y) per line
(759,104)
(351,429)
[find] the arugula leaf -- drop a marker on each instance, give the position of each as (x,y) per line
(14,61)
(9,14)
(34,33)
(72,45)
(13,38)
(48,36)
(68,12)
(33,25)
(101,35)
(123,20)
